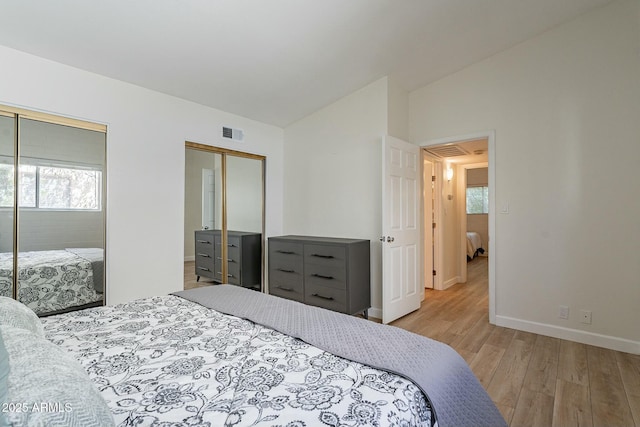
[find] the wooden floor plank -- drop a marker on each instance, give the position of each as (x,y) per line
(501,337)
(543,367)
(609,404)
(629,365)
(508,378)
(572,363)
(485,363)
(572,405)
(476,336)
(533,409)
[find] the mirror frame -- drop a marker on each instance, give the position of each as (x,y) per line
(224,152)
(17,114)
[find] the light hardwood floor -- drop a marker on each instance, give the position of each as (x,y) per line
(534,380)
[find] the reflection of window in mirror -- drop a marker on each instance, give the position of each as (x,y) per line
(224,201)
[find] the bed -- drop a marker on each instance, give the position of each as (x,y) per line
(474,245)
(55,280)
(227,356)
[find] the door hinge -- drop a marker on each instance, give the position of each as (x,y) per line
(434,272)
(433,178)
(434,225)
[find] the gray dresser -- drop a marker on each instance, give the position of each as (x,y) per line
(327,272)
(244,251)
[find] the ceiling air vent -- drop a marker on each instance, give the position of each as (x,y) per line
(230,133)
(446,151)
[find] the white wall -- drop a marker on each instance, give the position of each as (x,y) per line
(451,225)
(332,179)
(565,108)
(145,163)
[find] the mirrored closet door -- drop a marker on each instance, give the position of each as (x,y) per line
(58,213)
(224,216)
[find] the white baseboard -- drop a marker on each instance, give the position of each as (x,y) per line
(449,283)
(375,312)
(190,258)
(584,337)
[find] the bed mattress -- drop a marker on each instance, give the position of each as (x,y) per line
(166,360)
(51,280)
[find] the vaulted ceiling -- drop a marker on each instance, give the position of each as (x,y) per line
(275,61)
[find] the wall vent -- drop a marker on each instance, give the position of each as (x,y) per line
(446,151)
(230,133)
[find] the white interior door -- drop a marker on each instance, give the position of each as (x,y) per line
(208,197)
(401,229)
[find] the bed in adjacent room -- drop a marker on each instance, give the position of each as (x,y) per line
(227,356)
(474,245)
(55,280)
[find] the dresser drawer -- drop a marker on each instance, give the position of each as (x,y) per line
(233,242)
(217,271)
(233,250)
(287,289)
(233,273)
(286,250)
(331,256)
(202,261)
(204,243)
(205,269)
(321,275)
(326,297)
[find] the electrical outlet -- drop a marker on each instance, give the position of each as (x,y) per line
(585,316)
(563,312)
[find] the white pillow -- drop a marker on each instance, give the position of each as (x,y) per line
(47,387)
(14,313)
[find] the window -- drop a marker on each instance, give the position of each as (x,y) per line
(64,187)
(477,200)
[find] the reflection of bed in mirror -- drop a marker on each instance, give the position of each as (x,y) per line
(474,245)
(55,281)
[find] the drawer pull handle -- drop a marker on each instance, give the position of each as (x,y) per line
(286,252)
(228,275)
(322,256)
(285,270)
(285,289)
(231,245)
(204,241)
(228,259)
(320,276)
(203,269)
(322,296)
(205,255)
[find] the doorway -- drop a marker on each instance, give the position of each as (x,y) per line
(452,156)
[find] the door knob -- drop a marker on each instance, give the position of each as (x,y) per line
(390,239)
(382,238)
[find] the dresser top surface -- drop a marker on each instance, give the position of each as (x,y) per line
(316,239)
(229,232)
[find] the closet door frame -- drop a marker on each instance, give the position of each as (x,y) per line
(17,114)
(224,152)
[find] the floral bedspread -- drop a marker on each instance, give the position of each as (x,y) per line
(49,280)
(166,361)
